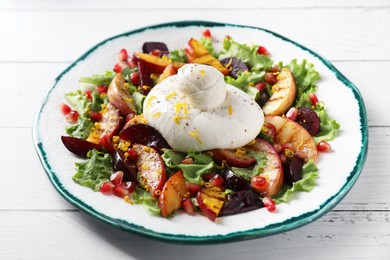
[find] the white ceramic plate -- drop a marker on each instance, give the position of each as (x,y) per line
(338,170)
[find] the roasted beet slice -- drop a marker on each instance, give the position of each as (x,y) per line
(145,135)
(126,165)
(241,201)
(80,146)
(293,169)
(149,47)
(309,120)
(233,181)
(235,65)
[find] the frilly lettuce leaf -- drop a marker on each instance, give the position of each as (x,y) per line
(81,129)
(143,197)
(94,171)
(307,183)
(245,53)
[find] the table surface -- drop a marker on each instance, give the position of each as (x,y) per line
(41,38)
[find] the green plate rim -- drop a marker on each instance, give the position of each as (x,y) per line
(272,229)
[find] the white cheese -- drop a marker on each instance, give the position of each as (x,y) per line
(197,110)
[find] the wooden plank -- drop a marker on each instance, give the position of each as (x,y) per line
(64,235)
(172,5)
(28,90)
(72,32)
(369,193)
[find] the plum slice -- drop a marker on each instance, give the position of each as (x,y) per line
(145,135)
(233,158)
(309,119)
(80,147)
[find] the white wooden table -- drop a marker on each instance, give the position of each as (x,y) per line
(38,39)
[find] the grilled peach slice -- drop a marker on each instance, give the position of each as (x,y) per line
(119,97)
(283,94)
(288,131)
(211,201)
(197,53)
(151,170)
(273,170)
(173,192)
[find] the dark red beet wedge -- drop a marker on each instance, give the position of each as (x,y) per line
(309,120)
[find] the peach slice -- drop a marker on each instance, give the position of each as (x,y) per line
(119,97)
(173,192)
(288,131)
(273,170)
(283,94)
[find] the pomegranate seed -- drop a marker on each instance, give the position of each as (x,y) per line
(72,117)
(117,68)
(313,98)
(88,93)
(192,188)
(270,78)
(260,86)
(206,33)
(95,116)
(259,183)
(116,177)
(106,143)
(324,146)
(129,185)
(101,89)
(188,206)
(122,55)
(262,51)
(65,109)
(120,191)
(134,77)
(217,181)
(132,154)
(292,113)
(283,157)
(187,160)
(269,204)
(156,52)
(131,63)
(107,187)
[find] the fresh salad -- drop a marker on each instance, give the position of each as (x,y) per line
(198,130)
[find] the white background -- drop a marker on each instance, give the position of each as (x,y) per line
(38,39)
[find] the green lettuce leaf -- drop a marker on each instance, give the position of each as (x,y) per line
(245,81)
(78,101)
(193,172)
(81,129)
(143,197)
(99,79)
(206,41)
(248,173)
(329,128)
(307,183)
(245,53)
(178,55)
(305,74)
(94,171)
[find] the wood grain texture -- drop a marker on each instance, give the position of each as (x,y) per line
(39,39)
(337,234)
